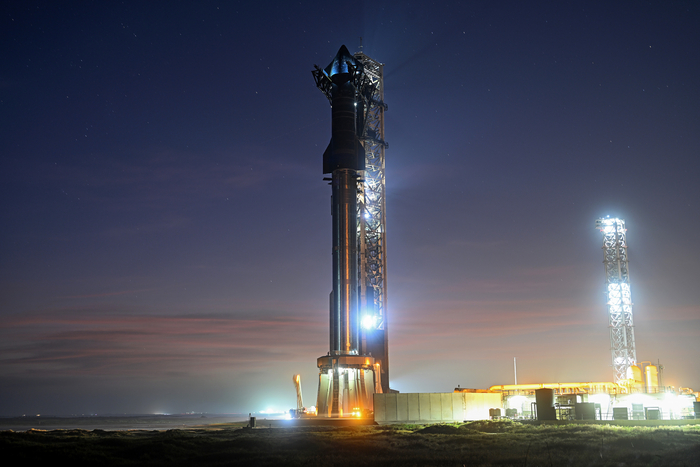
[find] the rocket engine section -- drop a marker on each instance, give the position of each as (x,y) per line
(347,377)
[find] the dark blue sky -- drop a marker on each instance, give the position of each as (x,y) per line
(166,230)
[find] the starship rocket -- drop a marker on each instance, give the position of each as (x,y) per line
(347,377)
(343,158)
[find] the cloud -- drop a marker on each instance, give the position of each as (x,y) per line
(86,342)
(107,294)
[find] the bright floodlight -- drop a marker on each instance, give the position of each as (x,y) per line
(369,321)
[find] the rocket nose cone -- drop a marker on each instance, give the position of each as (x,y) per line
(342,64)
(343,51)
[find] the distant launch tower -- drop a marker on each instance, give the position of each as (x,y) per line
(349,374)
(619,298)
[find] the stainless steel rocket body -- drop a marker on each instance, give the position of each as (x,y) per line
(345,336)
(343,158)
(346,376)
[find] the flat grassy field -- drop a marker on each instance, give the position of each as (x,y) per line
(483,443)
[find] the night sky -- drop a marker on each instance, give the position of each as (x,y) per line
(166,232)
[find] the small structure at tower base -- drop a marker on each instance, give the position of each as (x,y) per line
(450,407)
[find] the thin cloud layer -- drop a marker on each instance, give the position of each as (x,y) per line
(81,342)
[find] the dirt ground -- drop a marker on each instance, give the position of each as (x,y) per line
(485,443)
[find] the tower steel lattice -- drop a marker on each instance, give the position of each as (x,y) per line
(619,298)
(372,220)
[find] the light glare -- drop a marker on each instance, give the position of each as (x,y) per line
(369,321)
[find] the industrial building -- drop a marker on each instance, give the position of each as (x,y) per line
(637,391)
(594,401)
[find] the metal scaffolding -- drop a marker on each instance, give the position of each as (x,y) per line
(619,298)
(372,220)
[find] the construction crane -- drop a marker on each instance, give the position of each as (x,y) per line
(296,379)
(301,411)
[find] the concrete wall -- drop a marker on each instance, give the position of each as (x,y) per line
(433,407)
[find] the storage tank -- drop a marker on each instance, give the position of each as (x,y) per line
(635,373)
(652,374)
(545,404)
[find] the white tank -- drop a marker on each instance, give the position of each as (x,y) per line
(635,373)
(652,377)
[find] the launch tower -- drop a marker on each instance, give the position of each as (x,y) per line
(372,223)
(349,374)
(619,298)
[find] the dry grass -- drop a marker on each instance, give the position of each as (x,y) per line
(501,443)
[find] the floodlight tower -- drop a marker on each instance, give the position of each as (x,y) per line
(619,298)
(372,222)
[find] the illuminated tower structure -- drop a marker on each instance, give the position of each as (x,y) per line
(372,223)
(348,374)
(619,298)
